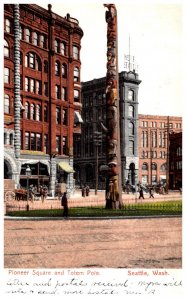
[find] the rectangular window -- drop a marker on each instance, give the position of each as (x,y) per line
(76,95)
(63,48)
(58,144)
(65,116)
(6,104)
(42,41)
(26,84)
(75,52)
(28,35)
(38,87)
(46,143)
(57,92)
(6,75)
(58,115)
(64,93)
(7,26)
(27,140)
(65,145)
(38,141)
(46,89)
(32,85)
(36,39)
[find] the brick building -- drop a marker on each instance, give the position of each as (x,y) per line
(42,94)
(175,160)
(154,134)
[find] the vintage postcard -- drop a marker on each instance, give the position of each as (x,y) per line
(92,149)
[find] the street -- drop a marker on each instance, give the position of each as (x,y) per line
(111,243)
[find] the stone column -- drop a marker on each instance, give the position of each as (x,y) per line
(17,134)
(52,176)
(70,180)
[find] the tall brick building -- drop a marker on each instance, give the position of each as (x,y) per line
(154,135)
(42,94)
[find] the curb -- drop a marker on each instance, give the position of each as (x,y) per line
(89,218)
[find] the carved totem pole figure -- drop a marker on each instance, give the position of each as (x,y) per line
(113,191)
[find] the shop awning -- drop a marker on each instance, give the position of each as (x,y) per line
(77,118)
(65,167)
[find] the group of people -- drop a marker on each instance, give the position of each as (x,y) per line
(141,192)
(42,191)
(85,191)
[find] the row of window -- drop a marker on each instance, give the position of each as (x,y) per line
(160,124)
(35,86)
(155,142)
(33,61)
(33,141)
(153,154)
(40,40)
(145,167)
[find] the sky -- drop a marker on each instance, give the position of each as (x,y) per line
(156,41)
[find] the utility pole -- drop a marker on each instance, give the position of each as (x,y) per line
(113,183)
(97,141)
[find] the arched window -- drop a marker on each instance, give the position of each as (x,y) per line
(27,110)
(64,70)
(130,95)
(145,166)
(131,111)
(131,128)
(76,74)
(154,166)
(33,61)
(6,49)
(57,68)
(163,167)
(6,104)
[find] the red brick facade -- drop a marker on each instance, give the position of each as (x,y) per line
(50,86)
(153,137)
(43,69)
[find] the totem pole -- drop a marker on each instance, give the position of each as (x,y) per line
(112,128)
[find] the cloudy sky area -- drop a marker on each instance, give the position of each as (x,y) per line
(156,41)
(156,37)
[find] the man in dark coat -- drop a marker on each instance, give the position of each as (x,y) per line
(64,203)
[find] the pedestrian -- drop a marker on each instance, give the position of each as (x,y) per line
(64,203)
(141,193)
(151,192)
(87,190)
(83,191)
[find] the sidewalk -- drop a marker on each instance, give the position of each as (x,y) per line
(92,200)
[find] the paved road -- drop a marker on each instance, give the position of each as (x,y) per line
(116,243)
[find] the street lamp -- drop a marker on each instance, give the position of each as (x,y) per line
(97,141)
(28,174)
